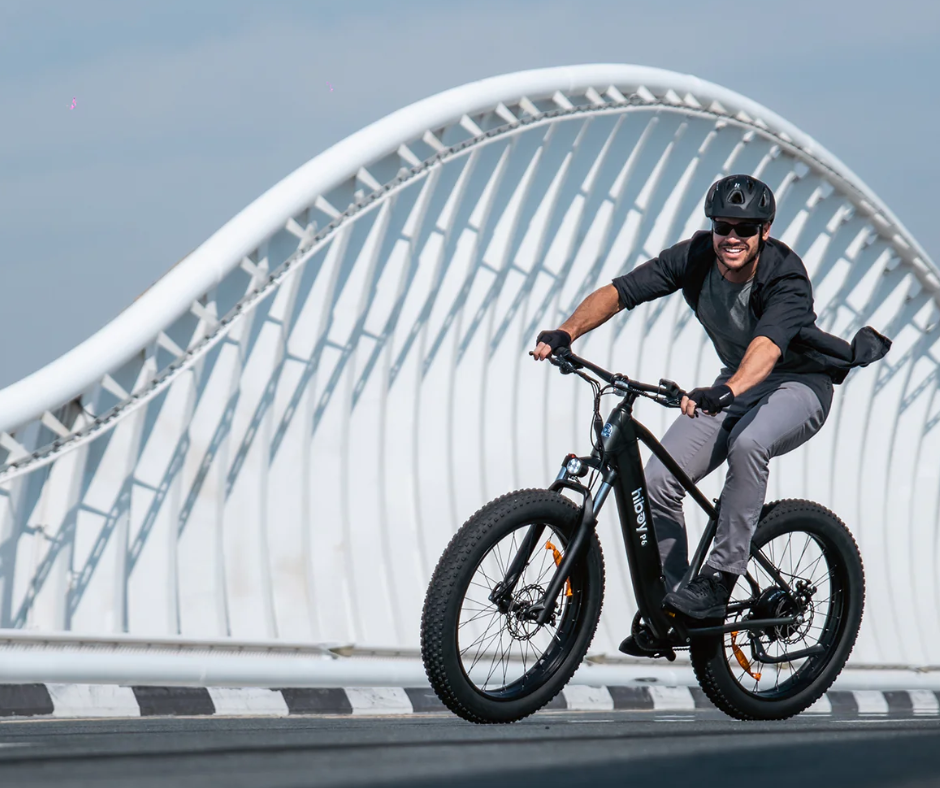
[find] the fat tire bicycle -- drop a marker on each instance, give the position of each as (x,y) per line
(516,597)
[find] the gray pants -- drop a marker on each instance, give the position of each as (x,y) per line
(769,420)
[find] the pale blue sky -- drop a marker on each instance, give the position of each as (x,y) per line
(188,111)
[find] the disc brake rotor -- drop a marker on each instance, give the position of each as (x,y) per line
(520,626)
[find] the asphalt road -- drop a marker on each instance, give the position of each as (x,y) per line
(552,749)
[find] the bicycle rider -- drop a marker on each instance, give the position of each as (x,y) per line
(752,295)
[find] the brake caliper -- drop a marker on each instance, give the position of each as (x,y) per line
(557,556)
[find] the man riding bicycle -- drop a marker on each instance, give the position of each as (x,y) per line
(752,295)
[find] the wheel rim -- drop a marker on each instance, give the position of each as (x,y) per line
(806,562)
(501,654)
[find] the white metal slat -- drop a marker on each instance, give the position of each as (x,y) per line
(510,293)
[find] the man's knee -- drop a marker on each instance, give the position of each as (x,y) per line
(663,488)
(747,449)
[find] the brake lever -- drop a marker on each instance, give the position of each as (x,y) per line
(564,366)
(672,389)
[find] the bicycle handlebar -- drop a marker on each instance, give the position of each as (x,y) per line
(667,393)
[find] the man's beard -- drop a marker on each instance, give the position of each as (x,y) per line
(747,260)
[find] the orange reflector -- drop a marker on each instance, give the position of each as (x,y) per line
(557,556)
(742,660)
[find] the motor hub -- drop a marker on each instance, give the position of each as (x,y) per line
(776,603)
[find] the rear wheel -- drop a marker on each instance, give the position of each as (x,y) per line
(488,661)
(748,674)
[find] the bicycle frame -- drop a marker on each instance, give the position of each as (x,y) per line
(621,469)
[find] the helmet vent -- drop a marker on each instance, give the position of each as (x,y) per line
(740,197)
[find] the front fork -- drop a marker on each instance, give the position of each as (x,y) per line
(541,611)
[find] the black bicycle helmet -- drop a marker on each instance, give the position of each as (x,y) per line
(741,197)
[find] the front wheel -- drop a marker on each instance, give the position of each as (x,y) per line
(488,661)
(749,674)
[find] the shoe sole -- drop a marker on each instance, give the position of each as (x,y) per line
(654,653)
(638,651)
(658,654)
(640,654)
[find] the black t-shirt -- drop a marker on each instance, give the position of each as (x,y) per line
(724,310)
(781,301)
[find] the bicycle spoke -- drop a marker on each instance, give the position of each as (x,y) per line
(471,620)
(481,637)
(506,648)
(786,549)
(806,543)
(481,640)
(482,650)
(501,654)
(803,563)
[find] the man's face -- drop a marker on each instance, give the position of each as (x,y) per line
(733,250)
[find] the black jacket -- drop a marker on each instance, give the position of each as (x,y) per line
(781,300)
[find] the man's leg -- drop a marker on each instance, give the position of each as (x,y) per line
(784,419)
(780,421)
(699,445)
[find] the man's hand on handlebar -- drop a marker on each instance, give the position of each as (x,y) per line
(556,349)
(548,342)
(711,400)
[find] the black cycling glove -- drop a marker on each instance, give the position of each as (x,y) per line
(713,399)
(554,339)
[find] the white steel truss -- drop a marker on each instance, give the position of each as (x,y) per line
(276,441)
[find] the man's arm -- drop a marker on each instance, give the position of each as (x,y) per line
(593,311)
(596,309)
(759,360)
(653,279)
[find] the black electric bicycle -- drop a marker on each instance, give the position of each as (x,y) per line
(516,597)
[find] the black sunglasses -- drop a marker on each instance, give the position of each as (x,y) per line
(742,230)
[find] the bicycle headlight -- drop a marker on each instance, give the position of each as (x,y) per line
(574,466)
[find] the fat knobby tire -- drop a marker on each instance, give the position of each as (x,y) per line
(449,583)
(708,655)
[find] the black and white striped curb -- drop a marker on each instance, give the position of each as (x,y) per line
(103,700)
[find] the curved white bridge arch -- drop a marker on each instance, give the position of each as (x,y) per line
(276,441)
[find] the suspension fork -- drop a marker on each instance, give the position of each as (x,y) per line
(505,588)
(541,611)
(575,550)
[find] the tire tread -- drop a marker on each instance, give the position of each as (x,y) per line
(705,668)
(445,577)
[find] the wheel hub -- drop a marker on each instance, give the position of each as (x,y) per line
(776,603)
(519,622)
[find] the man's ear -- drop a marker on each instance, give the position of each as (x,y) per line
(766,232)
